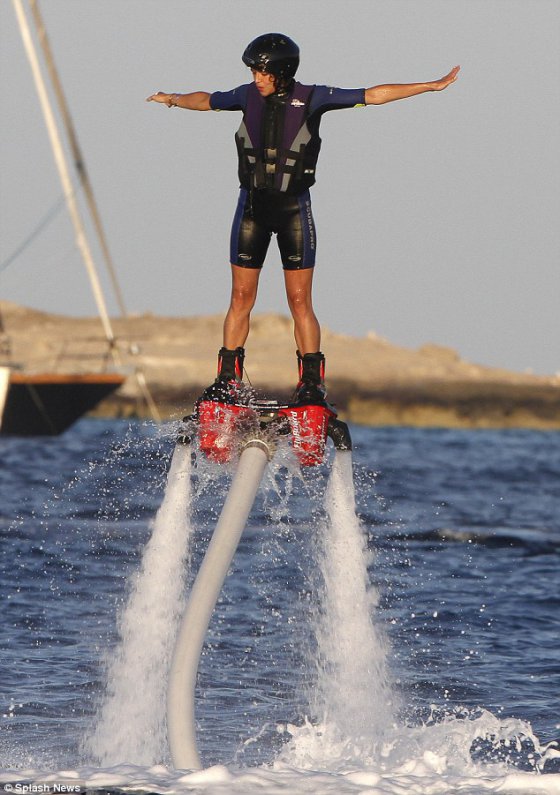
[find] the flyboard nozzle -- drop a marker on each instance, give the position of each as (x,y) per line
(340,434)
(187,431)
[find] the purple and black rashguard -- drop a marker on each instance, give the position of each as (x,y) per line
(278,146)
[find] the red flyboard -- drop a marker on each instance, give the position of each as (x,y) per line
(220,424)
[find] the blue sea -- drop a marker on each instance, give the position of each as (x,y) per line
(389,625)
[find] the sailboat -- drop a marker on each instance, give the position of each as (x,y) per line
(47,403)
(42,403)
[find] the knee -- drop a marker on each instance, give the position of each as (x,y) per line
(242,298)
(300,302)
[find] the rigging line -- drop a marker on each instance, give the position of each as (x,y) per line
(43,223)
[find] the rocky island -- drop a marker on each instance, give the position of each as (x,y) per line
(379,384)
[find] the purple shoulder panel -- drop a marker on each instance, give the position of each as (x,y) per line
(297,113)
(252,118)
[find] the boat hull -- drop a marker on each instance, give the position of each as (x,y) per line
(47,404)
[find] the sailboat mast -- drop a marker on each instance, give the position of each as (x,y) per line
(79,160)
(63,171)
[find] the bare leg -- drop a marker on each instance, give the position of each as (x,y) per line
(307,330)
(244,285)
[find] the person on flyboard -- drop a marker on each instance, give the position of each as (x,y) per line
(278,146)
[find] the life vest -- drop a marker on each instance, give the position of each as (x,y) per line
(277,148)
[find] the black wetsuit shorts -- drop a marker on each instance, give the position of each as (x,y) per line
(262,213)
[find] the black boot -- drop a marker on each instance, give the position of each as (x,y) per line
(230,364)
(311,387)
(227,386)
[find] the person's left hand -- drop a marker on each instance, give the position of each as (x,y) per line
(439,85)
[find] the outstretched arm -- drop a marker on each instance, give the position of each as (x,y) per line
(378,95)
(197,100)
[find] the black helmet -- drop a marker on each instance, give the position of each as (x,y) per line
(274,54)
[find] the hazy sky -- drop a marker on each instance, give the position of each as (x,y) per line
(437,216)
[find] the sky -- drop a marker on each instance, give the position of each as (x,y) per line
(437,216)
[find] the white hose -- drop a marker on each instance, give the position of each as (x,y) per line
(202,600)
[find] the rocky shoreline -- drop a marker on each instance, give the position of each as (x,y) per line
(371,381)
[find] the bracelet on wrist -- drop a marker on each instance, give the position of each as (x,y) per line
(172,101)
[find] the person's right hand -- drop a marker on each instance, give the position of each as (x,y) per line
(159,97)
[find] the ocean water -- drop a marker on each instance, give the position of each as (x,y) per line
(390,623)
